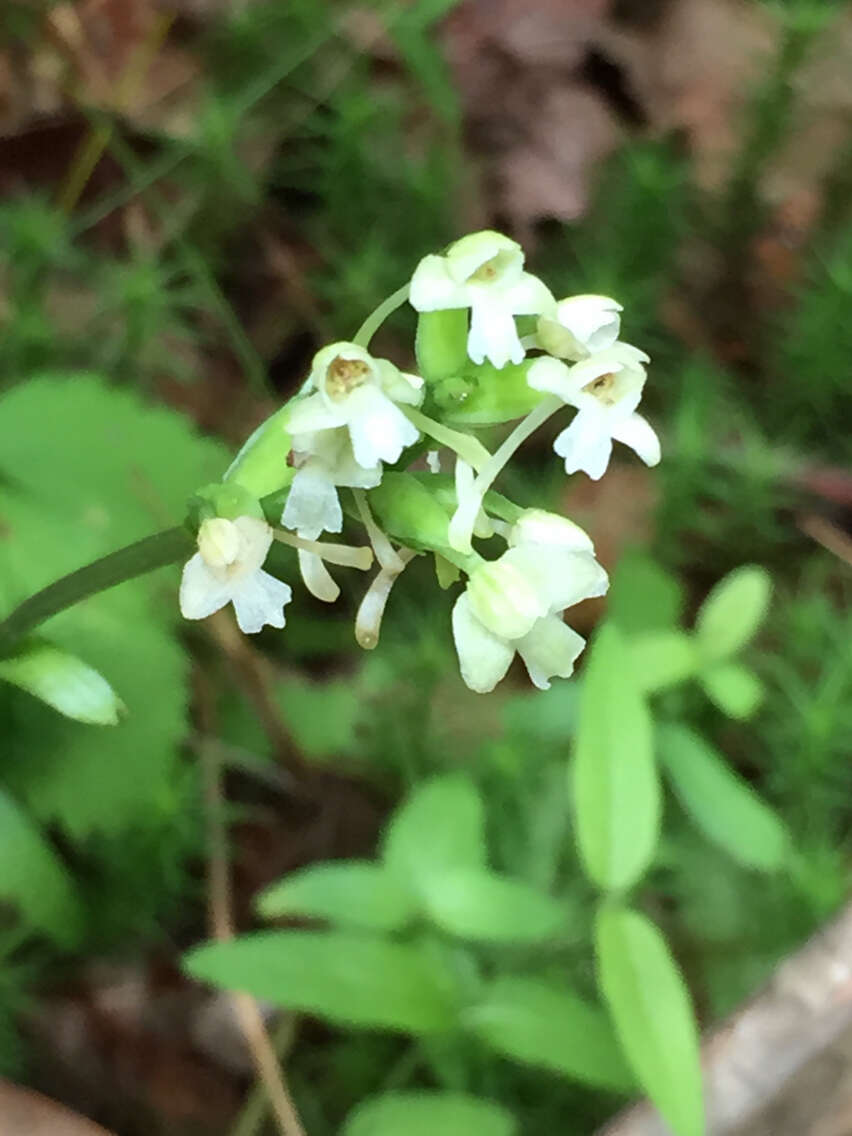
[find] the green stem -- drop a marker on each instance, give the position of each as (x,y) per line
(375,320)
(167,547)
(467,447)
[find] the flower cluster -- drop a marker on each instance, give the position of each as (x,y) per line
(493,346)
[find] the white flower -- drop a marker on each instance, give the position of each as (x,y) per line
(605,389)
(580,326)
(484,272)
(512,605)
(361,393)
(228,568)
(325,461)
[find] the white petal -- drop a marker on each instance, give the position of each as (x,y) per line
(586,444)
(549,651)
(468,254)
(559,577)
(311,414)
(201,593)
(378,428)
(433,289)
(553,377)
(483,658)
(537,526)
(529,296)
(400,386)
(506,597)
(255,542)
(317,578)
(637,433)
(259,599)
(493,334)
(312,504)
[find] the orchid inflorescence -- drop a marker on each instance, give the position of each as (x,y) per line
(492,346)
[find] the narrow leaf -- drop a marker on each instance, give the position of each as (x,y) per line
(429,1114)
(733,611)
(33,878)
(353,893)
(542,1024)
(350,979)
(441,826)
(724,807)
(735,689)
(616,787)
(663,658)
(652,1015)
(62,681)
(480,905)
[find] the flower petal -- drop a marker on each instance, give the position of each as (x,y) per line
(483,657)
(537,526)
(469,253)
(493,334)
(553,377)
(559,576)
(312,504)
(549,651)
(586,444)
(506,597)
(433,289)
(311,414)
(637,433)
(529,296)
(260,599)
(201,593)
(399,385)
(378,428)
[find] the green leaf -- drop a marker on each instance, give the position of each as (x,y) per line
(643,596)
(652,1015)
(733,611)
(62,681)
(477,904)
(735,689)
(429,1114)
(350,979)
(724,807)
(616,786)
(124,470)
(33,878)
(440,827)
(354,893)
(545,1025)
(663,658)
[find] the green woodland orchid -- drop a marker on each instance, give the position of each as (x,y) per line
(365,441)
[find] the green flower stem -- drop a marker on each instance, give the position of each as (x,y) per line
(167,547)
(464,519)
(375,320)
(467,447)
(488,473)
